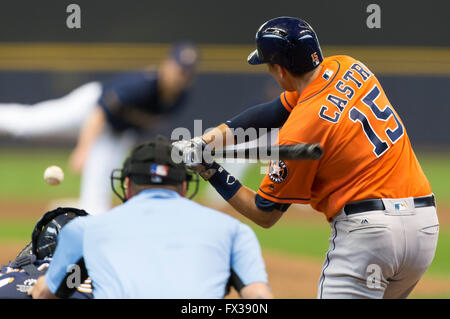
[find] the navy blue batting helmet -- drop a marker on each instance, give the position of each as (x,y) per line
(289,42)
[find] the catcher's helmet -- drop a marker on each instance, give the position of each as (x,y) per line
(289,42)
(151,163)
(45,233)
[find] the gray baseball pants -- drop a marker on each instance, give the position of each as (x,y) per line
(379,254)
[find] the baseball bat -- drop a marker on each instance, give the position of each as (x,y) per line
(294,152)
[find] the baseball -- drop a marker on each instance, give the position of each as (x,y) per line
(53,175)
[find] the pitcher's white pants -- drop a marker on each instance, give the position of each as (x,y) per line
(67,114)
(379,254)
(108,152)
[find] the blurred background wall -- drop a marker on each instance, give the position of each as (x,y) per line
(40,58)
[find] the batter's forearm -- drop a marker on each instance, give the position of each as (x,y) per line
(244,202)
(219,136)
(240,197)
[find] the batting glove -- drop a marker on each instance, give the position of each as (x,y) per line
(192,153)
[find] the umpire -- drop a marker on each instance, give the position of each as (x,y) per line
(157,244)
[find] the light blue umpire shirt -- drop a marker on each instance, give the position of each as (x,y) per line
(158,245)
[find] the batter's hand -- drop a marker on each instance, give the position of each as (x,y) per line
(192,153)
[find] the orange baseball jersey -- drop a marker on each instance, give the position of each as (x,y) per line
(367,153)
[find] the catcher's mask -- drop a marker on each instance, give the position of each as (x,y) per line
(45,233)
(151,163)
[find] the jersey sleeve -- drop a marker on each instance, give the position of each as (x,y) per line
(266,115)
(294,186)
(247,264)
(68,255)
(289,99)
(288,181)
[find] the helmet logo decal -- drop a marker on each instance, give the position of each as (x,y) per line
(277,31)
(278,171)
(315,59)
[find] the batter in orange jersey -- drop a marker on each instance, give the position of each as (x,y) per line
(367,153)
(369,184)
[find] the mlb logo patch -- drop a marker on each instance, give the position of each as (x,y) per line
(159,170)
(400,206)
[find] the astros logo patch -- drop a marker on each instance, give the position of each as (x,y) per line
(278,171)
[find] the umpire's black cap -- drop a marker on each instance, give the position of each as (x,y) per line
(152,163)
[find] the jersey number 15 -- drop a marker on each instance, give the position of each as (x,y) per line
(356,115)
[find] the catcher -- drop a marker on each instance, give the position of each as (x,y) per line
(21,274)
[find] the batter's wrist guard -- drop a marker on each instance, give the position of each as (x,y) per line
(224,183)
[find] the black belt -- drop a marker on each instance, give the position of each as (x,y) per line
(377,204)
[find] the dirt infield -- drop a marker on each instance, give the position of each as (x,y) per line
(9,251)
(20,210)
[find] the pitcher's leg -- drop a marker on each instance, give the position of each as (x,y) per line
(52,116)
(108,152)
